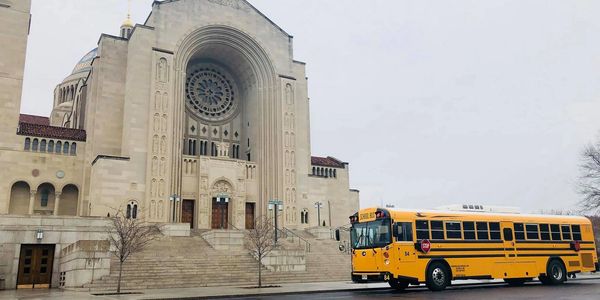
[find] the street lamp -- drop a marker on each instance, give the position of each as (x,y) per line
(276,206)
(318,206)
(39,235)
(174,201)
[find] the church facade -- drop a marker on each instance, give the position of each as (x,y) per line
(200,116)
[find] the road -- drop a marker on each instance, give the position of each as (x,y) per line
(574,289)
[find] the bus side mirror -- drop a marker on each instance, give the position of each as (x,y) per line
(337,235)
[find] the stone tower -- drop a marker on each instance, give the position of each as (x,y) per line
(14,30)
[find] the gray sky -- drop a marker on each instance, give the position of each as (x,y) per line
(431,102)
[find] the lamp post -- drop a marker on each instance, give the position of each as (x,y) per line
(174,201)
(39,235)
(276,206)
(318,206)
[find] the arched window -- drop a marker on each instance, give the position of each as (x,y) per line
(43,146)
(58,147)
(132,210)
(50,146)
(27,144)
(73,149)
(213,149)
(334,173)
(44,197)
(35,145)
(66,148)
(314,171)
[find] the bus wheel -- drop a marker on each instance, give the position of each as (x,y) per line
(515,281)
(555,272)
(438,276)
(397,284)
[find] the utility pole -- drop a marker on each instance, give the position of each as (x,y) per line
(276,206)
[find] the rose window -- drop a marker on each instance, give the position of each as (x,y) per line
(210,93)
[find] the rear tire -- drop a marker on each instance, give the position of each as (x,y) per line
(437,277)
(515,281)
(556,272)
(398,284)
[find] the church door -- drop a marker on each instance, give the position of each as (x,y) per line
(187,213)
(220,212)
(35,266)
(250,215)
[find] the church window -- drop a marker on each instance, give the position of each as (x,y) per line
(210,93)
(58,147)
(313,171)
(27,144)
(334,173)
(191,149)
(132,210)
(249,157)
(73,149)
(66,148)
(50,146)
(35,145)
(203,147)
(44,197)
(43,146)
(213,149)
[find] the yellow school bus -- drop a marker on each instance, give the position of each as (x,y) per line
(435,247)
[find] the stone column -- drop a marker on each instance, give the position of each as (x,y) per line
(32,194)
(56,202)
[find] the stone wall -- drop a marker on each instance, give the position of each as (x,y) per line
(84,261)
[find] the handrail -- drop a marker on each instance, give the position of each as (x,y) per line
(300,239)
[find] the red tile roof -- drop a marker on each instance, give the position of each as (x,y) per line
(40,127)
(327,162)
(31,119)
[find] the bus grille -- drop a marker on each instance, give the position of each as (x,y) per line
(588,260)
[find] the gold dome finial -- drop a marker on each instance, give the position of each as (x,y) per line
(128,22)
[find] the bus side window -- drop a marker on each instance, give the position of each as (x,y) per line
(437,230)
(532,231)
(566,232)
(519,231)
(404,232)
(576,232)
(453,230)
(494,231)
(469,228)
(482,231)
(555,232)
(422,230)
(545,232)
(508,234)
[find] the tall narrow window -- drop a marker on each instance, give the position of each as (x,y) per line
(27,144)
(73,149)
(35,145)
(66,148)
(44,198)
(58,147)
(213,149)
(43,146)
(50,146)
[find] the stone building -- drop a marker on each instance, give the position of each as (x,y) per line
(199,116)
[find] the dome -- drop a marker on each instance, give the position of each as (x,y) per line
(85,64)
(127,23)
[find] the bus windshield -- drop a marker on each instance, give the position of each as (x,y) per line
(375,234)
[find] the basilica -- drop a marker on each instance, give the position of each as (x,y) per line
(197,117)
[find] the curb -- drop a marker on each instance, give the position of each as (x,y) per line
(337,290)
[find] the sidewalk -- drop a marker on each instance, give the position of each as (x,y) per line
(215,292)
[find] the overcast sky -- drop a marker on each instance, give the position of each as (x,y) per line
(431,102)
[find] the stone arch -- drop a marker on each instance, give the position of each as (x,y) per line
(69,200)
(19,198)
(258,71)
(44,198)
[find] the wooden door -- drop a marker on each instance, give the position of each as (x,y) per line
(220,212)
(35,266)
(250,215)
(187,212)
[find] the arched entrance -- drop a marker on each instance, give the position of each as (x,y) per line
(68,201)
(19,199)
(222,192)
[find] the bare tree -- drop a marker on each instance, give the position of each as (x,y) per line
(128,236)
(589,181)
(260,241)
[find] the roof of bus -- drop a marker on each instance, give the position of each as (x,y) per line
(413,213)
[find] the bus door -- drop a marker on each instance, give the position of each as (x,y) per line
(405,245)
(508,237)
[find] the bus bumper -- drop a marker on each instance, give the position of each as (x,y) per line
(364,277)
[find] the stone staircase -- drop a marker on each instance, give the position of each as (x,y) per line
(179,262)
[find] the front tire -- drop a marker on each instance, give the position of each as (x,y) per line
(555,273)
(437,277)
(397,284)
